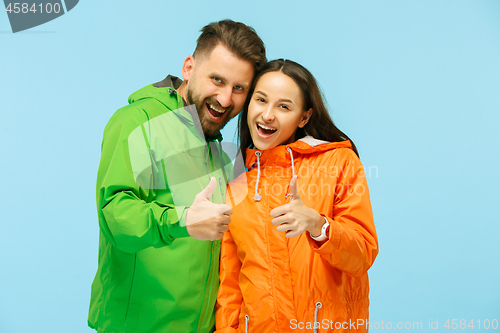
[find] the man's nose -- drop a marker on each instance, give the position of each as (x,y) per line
(225,97)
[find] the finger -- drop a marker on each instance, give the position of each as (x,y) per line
(207,192)
(218,236)
(294,188)
(285,227)
(280,220)
(293,233)
(225,220)
(281,210)
(225,209)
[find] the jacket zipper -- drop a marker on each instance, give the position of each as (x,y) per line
(207,294)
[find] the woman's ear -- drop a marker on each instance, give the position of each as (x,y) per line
(187,68)
(305,118)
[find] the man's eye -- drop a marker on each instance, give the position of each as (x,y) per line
(216,79)
(238,88)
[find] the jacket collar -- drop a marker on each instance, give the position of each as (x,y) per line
(279,155)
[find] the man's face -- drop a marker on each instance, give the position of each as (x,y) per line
(217,84)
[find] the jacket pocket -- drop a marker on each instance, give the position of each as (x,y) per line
(127,311)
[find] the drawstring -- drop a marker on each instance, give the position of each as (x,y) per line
(257,197)
(316,323)
(246,323)
(293,170)
(291,157)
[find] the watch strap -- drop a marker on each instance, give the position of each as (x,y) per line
(323,234)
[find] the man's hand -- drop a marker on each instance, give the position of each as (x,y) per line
(206,220)
(294,218)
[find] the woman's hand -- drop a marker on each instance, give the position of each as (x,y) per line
(294,218)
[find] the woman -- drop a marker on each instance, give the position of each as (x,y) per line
(302,237)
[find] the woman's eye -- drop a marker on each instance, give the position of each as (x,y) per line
(216,79)
(260,99)
(284,107)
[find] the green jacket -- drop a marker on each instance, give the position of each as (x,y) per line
(152,277)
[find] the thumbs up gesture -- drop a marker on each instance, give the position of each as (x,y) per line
(294,218)
(206,220)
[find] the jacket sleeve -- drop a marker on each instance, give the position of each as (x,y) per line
(229,299)
(129,217)
(352,244)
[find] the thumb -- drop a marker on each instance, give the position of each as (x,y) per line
(207,192)
(294,188)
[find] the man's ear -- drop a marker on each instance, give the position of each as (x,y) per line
(305,118)
(187,68)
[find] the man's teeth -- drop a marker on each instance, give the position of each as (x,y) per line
(215,108)
(266,128)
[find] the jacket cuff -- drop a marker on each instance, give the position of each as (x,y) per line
(333,242)
(176,223)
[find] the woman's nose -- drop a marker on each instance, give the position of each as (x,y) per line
(268,115)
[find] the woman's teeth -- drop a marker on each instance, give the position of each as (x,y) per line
(265,129)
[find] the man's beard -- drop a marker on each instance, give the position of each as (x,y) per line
(208,126)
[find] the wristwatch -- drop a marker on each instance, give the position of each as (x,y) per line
(323,235)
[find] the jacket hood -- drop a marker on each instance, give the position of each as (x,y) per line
(280,155)
(163,91)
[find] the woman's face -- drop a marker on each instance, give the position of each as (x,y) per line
(275,111)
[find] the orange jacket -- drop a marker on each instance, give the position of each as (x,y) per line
(270,283)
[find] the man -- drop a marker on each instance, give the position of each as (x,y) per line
(160,223)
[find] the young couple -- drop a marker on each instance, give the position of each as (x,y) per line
(297,229)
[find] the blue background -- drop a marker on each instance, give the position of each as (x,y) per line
(415,84)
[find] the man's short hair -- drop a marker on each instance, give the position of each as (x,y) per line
(237,37)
